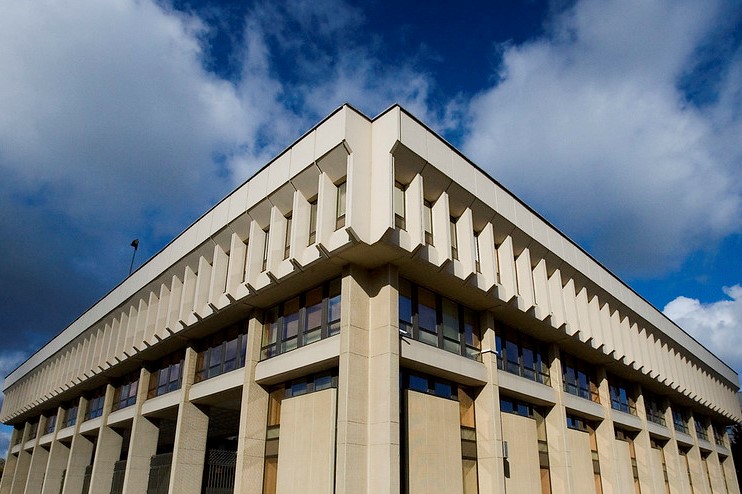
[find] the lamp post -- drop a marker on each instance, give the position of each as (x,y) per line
(135,244)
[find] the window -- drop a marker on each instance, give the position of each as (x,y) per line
(34,430)
(579,379)
(302,320)
(622,398)
(428,222)
(287,238)
(168,375)
(428,384)
(580,424)
(454,240)
(477,264)
(70,415)
(654,408)
(679,420)
(438,321)
(312,221)
(719,434)
(265,249)
(399,206)
(125,394)
(95,404)
(701,428)
(222,352)
(51,423)
(520,355)
(341,203)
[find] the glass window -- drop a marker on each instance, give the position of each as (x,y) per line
(428,222)
(51,423)
(521,355)
(438,321)
(95,404)
(221,352)
(341,203)
(679,420)
(399,205)
(287,238)
(265,249)
(454,240)
(622,398)
(579,379)
(302,320)
(125,395)
(312,221)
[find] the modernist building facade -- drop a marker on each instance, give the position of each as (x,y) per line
(371,313)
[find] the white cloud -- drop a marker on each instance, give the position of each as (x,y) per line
(717,325)
(588,125)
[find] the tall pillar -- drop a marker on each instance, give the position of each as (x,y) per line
(556,432)
(490,461)
(108,450)
(142,444)
(352,457)
(10,462)
(189,450)
(254,409)
(81,451)
(643,448)
(379,313)
(58,456)
(676,471)
(24,461)
(605,435)
(700,481)
(39,458)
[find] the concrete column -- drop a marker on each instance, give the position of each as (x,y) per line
(556,433)
(142,444)
(81,451)
(254,410)
(676,472)
(108,450)
(58,456)
(22,465)
(643,448)
(605,435)
(490,461)
(731,476)
(192,428)
(11,462)
(700,480)
(380,314)
(353,426)
(37,467)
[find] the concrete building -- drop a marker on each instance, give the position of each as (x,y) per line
(371,313)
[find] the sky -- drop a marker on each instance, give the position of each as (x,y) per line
(619,121)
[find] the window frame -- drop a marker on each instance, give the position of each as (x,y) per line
(467,319)
(274,340)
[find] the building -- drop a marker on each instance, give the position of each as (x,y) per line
(371,313)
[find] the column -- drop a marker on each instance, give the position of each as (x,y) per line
(605,435)
(81,451)
(191,430)
(39,458)
(107,451)
(490,461)
(254,409)
(22,464)
(643,448)
(10,462)
(142,444)
(556,432)
(383,470)
(59,454)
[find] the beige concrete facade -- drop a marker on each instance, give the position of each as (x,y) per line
(371,313)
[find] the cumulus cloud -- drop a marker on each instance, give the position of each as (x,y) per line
(717,325)
(589,125)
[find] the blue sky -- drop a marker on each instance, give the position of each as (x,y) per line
(619,121)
